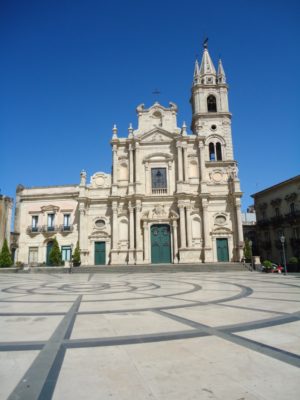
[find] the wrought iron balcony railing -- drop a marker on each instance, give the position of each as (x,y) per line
(263,222)
(66,228)
(31,230)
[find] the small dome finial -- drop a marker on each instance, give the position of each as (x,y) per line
(115,131)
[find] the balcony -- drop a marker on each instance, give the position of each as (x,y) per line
(66,228)
(159,192)
(49,229)
(293,217)
(32,230)
(277,220)
(263,222)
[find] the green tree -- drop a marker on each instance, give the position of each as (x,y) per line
(55,254)
(5,257)
(76,256)
(247,250)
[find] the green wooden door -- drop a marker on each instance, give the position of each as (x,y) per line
(99,253)
(160,244)
(222,250)
(49,248)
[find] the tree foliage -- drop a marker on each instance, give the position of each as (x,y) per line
(76,256)
(247,250)
(55,254)
(5,257)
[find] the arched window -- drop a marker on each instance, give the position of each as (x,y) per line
(219,151)
(212,155)
(211,104)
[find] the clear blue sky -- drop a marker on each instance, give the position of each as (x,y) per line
(70,69)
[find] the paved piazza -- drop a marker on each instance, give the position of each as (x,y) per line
(181,335)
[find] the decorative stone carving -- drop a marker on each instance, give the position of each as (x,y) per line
(101,180)
(232,171)
(159,211)
(218,175)
(220,219)
(51,207)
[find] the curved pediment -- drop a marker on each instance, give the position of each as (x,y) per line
(158,156)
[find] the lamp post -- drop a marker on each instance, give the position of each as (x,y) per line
(250,247)
(282,239)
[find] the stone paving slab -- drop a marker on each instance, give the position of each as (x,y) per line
(185,335)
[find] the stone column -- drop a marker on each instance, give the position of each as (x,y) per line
(147,179)
(115,225)
(138,234)
(175,242)
(170,182)
(207,239)
(189,227)
(240,236)
(201,161)
(182,226)
(146,242)
(138,225)
(115,164)
(131,166)
(131,234)
(137,162)
(185,163)
(205,222)
(179,161)
(83,234)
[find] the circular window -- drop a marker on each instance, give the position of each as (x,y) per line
(100,223)
(220,219)
(214,127)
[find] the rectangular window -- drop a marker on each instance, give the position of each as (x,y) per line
(34,223)
(66,253)
(33,255)
(277,212)
(159,180)
(67,218)
(50,222)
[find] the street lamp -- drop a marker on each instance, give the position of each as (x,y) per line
(282,239)
(250,247)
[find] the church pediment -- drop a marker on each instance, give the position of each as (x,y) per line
(157,135)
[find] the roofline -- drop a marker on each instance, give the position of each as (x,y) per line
(51,186)
(276,186)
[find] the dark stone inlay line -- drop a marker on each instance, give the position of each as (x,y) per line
(281,355)
(32,383)
(134,339)
(49,386)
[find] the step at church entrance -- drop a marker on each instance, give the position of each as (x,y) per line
(160,244)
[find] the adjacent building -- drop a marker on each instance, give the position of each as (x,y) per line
(172,197)
(278,214)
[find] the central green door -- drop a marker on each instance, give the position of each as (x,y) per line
(99,253)
(160,244)
(222,250)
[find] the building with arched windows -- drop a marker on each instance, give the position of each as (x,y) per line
(172,197)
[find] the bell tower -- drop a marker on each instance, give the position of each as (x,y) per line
(210,110)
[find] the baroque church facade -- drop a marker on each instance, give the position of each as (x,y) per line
(172,197)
